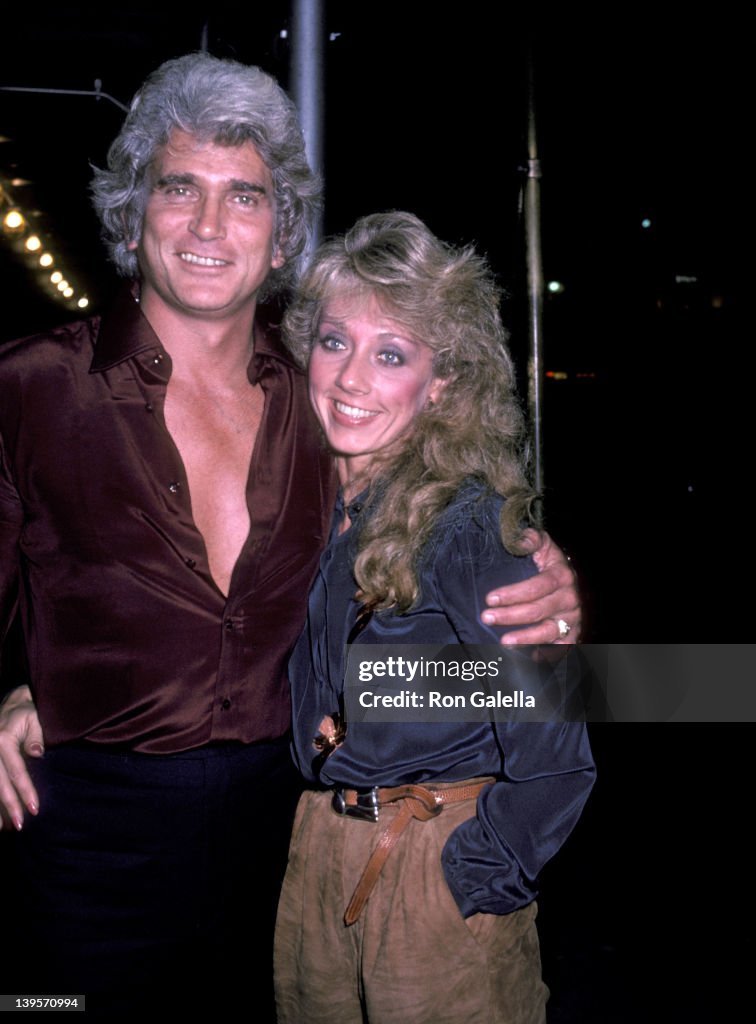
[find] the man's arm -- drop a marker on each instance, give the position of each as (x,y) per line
(550,600)
(20,734)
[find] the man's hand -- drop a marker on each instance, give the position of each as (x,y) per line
(549,600)
(20,734)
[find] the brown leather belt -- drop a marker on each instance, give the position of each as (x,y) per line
(420,802)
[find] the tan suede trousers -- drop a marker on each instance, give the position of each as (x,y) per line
(411,958)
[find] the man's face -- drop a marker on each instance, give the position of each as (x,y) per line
(207,234)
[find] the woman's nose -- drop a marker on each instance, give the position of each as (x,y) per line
(354,374)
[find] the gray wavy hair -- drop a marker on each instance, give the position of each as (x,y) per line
(224,102)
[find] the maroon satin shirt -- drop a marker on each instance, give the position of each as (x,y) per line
(129,639)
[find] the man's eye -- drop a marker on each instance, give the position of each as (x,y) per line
(247,199)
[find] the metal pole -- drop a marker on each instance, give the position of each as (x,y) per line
(308,82)
(535,289)
(96,92)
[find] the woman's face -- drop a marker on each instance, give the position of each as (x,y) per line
(369,378)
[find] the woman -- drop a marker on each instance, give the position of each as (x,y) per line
(414,902)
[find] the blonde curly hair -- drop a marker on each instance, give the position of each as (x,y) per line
(447,299)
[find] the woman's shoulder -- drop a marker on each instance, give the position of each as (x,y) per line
(466,559)
(469,531)
(475,506)
(469,526)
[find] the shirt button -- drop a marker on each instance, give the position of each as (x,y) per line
(158,359)
(174,487)
(149,406)
(229,624)
(190,562)
(226,704)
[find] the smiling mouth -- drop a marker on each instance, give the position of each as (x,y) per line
(353,411)
(201,261)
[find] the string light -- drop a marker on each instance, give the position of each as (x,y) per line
(15,223)
(14,220)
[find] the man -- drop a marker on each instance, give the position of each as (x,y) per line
(164,497)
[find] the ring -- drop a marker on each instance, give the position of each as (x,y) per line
(563,627)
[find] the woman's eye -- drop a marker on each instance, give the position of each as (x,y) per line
(331,343)
(391,357)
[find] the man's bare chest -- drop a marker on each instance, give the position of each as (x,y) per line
(215,436)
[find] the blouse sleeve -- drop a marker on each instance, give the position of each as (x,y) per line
(491,861)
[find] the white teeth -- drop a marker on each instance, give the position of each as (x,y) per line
(202,261)
(350,410)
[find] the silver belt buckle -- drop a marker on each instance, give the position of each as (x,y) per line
(366,809)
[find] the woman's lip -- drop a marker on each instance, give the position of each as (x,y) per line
(353,412)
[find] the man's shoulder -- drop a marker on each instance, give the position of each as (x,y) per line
(35,352)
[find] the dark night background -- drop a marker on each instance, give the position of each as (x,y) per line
(426,110)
